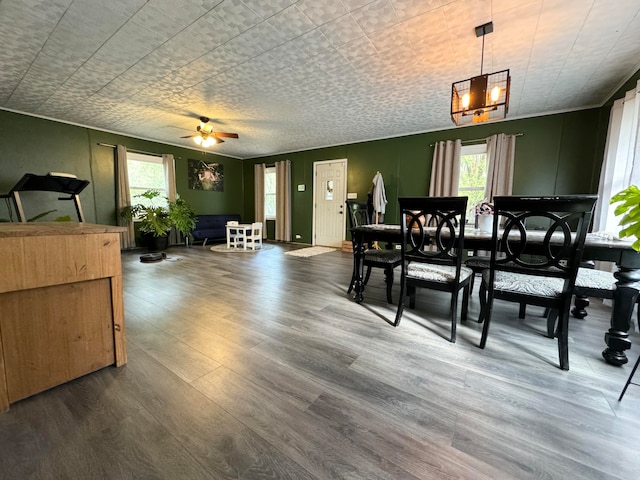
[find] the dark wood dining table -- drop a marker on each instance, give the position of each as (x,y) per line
(595,248)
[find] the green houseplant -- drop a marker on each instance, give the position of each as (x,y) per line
(629,206)
(157,215)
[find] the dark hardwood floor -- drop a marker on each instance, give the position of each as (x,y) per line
(260,366)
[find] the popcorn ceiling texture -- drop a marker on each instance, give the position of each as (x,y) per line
(292,75)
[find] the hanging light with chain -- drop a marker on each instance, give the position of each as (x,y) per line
(482,98)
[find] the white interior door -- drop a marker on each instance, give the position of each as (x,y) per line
(329,193)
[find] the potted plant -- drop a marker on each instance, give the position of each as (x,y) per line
(629,200)
(157,215)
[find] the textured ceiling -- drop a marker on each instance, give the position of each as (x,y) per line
(291,75)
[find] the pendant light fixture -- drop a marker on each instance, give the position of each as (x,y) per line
(483,98)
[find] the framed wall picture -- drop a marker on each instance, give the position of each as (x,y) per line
(206,176)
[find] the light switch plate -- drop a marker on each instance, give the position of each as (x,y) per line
(302,188)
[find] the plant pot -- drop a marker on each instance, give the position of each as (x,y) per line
(485,223)
(153,243)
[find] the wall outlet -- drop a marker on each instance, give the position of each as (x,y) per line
(298,237)
(397,247)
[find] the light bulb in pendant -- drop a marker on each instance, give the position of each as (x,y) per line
(466,101)
(495,94)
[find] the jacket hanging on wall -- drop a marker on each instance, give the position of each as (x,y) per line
(378,197)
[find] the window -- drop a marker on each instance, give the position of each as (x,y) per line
(270,193)
(473,175)
(621,166)
(146,172)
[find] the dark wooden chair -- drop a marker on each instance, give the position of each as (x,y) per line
(432,255)
(541,272)
(477,263)
(387,259)
(589,283)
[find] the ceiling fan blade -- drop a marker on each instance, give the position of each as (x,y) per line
(227,135)
(188,136)
(218,139)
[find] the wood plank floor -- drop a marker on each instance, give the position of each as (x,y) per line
(260,366)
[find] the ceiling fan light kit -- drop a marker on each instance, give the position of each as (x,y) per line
(206,137)
(205,140)
(482,98)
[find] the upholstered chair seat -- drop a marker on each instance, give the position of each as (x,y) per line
(437,273)
(524,284)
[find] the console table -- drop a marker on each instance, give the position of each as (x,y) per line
(61,303)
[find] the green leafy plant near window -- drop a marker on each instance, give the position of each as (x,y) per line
(157,218)
(629,206)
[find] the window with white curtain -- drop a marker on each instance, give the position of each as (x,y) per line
(621,165)
(473,174)
(146,172)
(270,193)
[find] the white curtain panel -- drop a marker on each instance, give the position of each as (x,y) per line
(621,164)
(283,201)
(258,199)
(445,169)
(123,197)
(169,165)
(501,152)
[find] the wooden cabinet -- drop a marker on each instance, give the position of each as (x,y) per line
(61,309)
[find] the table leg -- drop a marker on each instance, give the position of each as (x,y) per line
(580,305)
(358,267)
(625,297)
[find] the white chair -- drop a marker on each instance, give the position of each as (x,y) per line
(254,238)
(235,236)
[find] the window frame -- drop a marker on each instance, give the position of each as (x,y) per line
(474,149)
(140,157)
(270,171)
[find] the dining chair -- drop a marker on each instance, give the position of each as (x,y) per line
(387,259)
(432,250)
(235,236)
(536,267)
(589,283)
(253,238)
(477,263)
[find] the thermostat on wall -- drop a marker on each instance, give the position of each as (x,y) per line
(352,196)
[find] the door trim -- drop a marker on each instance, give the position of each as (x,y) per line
(315,178)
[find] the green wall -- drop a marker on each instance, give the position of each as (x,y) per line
(34,145)
(556,154)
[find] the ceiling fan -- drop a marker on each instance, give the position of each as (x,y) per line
(205,135)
